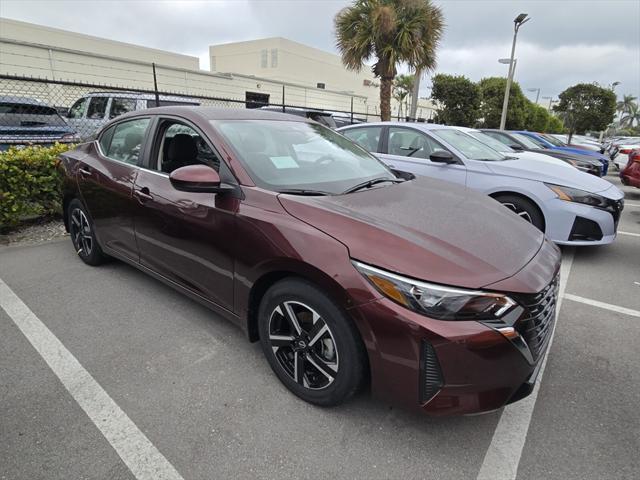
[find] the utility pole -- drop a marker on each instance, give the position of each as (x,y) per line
(518,22)
(415,93)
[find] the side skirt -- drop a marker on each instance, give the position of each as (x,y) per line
(223,312)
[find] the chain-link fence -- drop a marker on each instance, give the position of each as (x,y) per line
(38,111)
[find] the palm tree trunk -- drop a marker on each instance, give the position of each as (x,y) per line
(386,83)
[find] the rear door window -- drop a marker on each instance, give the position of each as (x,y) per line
(97,108)
(126,142)
(120,106)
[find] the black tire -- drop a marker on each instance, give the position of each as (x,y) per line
(525,209)
(339,350)
(83,234)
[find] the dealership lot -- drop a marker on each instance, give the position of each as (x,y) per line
(200,402)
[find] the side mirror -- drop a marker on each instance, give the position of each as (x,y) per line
(516,147)
(198,178)
(442,156)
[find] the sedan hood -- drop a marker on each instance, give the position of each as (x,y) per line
(556,174)
(540,157)
(425,229)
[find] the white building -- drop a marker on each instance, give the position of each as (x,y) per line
(308,77)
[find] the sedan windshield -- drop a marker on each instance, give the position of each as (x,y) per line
(301,157)
(553,141)
(528,141)
(490,141)
(469,146)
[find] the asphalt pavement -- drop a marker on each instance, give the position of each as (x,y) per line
(204,398)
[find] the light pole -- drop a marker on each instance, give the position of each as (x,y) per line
(535,90)
(551,102)
(517,23)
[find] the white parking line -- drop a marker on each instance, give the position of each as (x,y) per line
(606,306)
(627,204)
(629,233)
(143,459)
(503,455)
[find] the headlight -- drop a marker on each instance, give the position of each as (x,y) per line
(579,196)
(437,301)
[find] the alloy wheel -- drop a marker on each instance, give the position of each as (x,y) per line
(81,232)
(303,344)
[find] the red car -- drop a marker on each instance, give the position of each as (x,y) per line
(630,175)
(347,272)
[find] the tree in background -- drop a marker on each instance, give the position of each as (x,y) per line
(630,116)
(492,91)
(554,125)
(536,118)
(392,32)
(626,104)
(458,98)
(586,106)
(402,88)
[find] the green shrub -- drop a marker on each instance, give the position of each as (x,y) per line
(30,183)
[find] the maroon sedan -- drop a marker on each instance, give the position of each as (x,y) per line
(347,272)
(630,174)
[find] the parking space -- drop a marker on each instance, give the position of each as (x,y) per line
(207,400)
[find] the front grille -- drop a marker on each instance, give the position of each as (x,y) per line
(615,207)
(430,374)
(536,324)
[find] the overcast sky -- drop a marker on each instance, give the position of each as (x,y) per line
(566,42)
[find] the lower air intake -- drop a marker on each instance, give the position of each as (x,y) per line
(430,374)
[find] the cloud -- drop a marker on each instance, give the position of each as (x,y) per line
(566,42)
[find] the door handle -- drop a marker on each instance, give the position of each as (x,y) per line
(84,172)
(143,194)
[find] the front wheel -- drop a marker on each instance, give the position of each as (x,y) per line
(524,208)
(83,234)
(310,343)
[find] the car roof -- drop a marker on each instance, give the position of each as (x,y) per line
(141,96)
(216,113)
(416,125)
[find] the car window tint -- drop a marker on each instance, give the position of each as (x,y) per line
(105,139)
(367,137)
(181,145)
(127,140)
(77,109)
(469,146)
(120,106)
(97,107)
(527,140)
(410,143)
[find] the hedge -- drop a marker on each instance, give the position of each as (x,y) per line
(30,183)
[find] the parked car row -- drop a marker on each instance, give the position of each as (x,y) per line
(394,268)
(620,148)
(570,206)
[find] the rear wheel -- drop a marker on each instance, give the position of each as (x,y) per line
(83,234)
(310,343)
(524,208)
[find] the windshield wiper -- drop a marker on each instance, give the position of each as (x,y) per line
(370,183)
(304,191)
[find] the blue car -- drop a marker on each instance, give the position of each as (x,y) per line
(545,141)
(26,121)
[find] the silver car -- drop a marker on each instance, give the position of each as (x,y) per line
(570,206)
(89,113)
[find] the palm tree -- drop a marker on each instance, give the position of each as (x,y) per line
(402,88)
(624,105)
(392,32)
(631,116)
